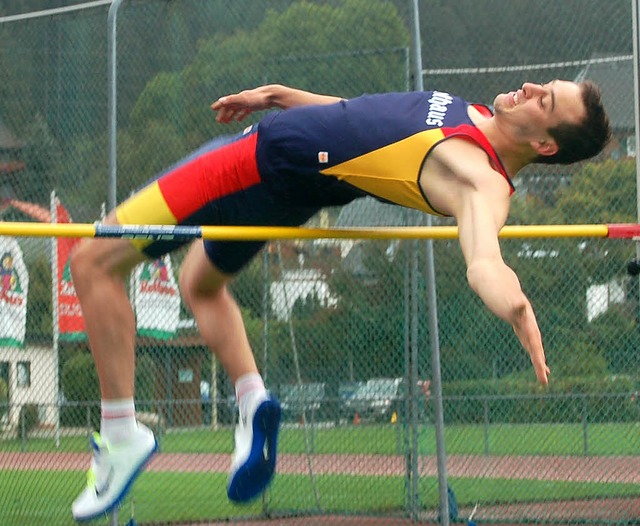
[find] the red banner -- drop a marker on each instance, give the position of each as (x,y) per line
(70,319)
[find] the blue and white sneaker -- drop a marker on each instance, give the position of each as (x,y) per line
(113,470)
(254,459)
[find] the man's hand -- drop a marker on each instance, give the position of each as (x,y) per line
(527,331)
(238,105)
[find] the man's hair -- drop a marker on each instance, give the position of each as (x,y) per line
(577,142)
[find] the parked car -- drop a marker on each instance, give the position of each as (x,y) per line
(347,390)
(376,399)
(227,410)
(305,398)
(379,398)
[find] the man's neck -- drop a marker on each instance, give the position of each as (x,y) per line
(514,155)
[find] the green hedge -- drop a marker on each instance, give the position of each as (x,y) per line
(4,398)
(80,386)
(571,400)
(79,381)
(28,421)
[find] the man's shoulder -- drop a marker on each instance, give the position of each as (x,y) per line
(461,152)
(468,163)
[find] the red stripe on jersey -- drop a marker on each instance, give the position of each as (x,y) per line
(226,170)
(471,133)
(484,110)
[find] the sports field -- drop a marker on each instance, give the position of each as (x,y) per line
(355,469)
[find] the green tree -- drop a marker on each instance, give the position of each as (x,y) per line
(601,193)
(306,307)
(616,333)
(39,320)
(369,319)
(42,158)
(14,88)
(248,288)
(4,398)
(146,155)
(283,48)
(79,383)
(82,186)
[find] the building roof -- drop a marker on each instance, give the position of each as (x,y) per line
(368,212)
(8,141)
(615,78)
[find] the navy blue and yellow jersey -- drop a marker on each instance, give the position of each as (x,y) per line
(371,145)
(281,171)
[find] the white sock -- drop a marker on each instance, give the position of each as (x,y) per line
(248,387)
(118,421)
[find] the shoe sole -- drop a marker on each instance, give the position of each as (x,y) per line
(252,478)
(123,493)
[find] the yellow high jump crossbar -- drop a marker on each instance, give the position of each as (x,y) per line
(252,233)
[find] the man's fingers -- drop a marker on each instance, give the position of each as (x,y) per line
(224,115)
(542,372)
(232,107)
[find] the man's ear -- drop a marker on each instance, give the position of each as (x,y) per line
(545,147)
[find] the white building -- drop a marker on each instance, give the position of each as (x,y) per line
(299,284)
(31,380)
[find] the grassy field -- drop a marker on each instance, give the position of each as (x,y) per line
(32,498)
(43,498)
(539,439)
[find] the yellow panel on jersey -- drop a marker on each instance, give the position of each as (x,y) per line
(392,172)
(148,207)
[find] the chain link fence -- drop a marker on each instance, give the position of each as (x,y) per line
(339,328)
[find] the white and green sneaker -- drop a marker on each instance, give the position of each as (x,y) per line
(113,470)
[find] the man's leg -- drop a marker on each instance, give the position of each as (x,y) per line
(219,319)
(100,268)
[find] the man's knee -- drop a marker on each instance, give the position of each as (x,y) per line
(195,290)
(189,288)
(199,280)
(97,258)
(82,260)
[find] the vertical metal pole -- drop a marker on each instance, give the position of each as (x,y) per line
(23,427)
(635,7)
(413,380)
(113,125)
(112,45)
(436,380)
(407,69)
(265,315)
(436,386)
(213,393)
(407,369)
(585,425)
(54,311)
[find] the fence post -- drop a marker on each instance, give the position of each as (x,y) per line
(313,431)
(159,431)
(486,426)
(23,426)
(585,425)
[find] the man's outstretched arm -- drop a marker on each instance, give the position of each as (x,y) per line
(496,284)
(238,105)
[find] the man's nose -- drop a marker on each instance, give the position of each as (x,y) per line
(530,89)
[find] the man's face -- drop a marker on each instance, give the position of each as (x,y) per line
(535,108)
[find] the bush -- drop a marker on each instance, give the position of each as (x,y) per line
(147,375)
(4,399)
(28,419)
(79,383)
(570,400)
